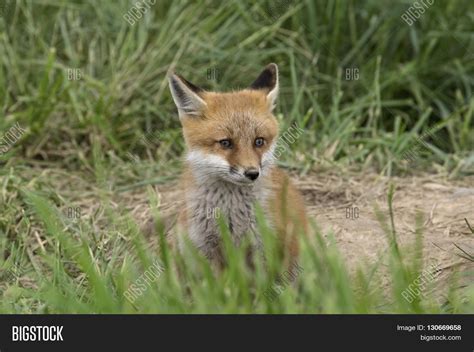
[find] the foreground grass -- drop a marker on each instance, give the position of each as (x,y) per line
(81,270)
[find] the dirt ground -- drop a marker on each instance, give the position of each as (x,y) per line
(347,208)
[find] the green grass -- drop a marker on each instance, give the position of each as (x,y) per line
(73,276)
(410,79)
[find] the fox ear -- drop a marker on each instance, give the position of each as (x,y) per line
(268,81)
(186,95)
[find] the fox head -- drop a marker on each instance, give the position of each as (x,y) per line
(229,136)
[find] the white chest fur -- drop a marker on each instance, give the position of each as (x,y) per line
(213,200)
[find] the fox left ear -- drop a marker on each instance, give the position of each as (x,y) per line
(268,81)
(186,96)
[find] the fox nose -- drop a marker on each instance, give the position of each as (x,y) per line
(251,174)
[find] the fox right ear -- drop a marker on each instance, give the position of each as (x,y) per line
(186,95)
(268,82)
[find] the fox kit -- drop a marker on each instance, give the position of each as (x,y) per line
(230,166)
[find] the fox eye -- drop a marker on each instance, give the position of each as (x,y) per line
(226,143)
(259,142)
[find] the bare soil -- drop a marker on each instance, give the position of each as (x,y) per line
(346,207)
